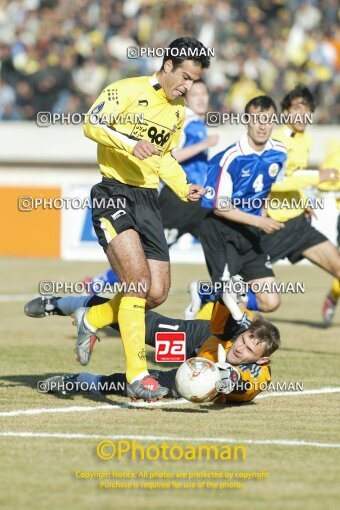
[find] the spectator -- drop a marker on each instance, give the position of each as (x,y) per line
(66,52)
(7,101)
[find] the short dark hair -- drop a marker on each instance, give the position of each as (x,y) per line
(299,91)
(187,48)
(265,332)
(262,102)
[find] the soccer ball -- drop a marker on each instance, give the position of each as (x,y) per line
(196,378)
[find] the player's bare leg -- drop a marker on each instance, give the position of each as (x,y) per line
(127,258)
(267,301)
(326,256)
(160,282)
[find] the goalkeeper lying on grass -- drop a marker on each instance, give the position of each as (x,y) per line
(247,344)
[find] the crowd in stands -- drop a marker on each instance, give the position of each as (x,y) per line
(57,55)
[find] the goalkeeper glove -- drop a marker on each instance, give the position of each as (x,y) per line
(229,375)
(242,325)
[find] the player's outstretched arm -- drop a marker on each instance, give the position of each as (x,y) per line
(262,222)
(302,178)
(173,175)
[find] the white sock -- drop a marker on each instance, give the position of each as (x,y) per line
(140,376)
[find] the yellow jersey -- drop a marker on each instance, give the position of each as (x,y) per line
(136,109)
(291,190)
(298,147)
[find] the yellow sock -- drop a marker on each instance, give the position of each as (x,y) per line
(103,315)
(131,318)
(335,292)
(205,312)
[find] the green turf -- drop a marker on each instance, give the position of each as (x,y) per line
(39,473)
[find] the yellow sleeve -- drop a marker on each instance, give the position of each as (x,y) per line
(101,120)
(171,172)
(219,317)
(332,161)
(298,180)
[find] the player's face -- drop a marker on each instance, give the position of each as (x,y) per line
(298,110)
(260,126)
(178,81)
(198,98)
(246,349)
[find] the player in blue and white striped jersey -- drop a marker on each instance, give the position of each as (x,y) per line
(239,180)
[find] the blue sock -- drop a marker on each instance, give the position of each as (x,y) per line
(69,304)
(99,282)
(252,303)
(111,276)
(207,298)
(89,382)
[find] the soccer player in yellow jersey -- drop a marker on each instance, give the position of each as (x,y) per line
(299,239)
(137,123)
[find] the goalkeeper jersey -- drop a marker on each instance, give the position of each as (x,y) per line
(136,109)
(254,377)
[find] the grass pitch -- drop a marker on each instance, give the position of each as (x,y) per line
(40,472)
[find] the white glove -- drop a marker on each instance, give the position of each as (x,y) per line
(240,288)
(234,293)
(229,375)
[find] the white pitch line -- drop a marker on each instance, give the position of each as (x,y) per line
(298,393)
(280,442)
(79,409)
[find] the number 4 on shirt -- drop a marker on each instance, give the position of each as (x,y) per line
(258,183)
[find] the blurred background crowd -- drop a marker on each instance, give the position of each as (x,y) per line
(57,55)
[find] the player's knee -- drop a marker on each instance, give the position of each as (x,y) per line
(157,296)
(138,286)
(269,302)
(337,270)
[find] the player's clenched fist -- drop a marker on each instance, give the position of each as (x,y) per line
(144,149)
(268,225)
(195,192)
